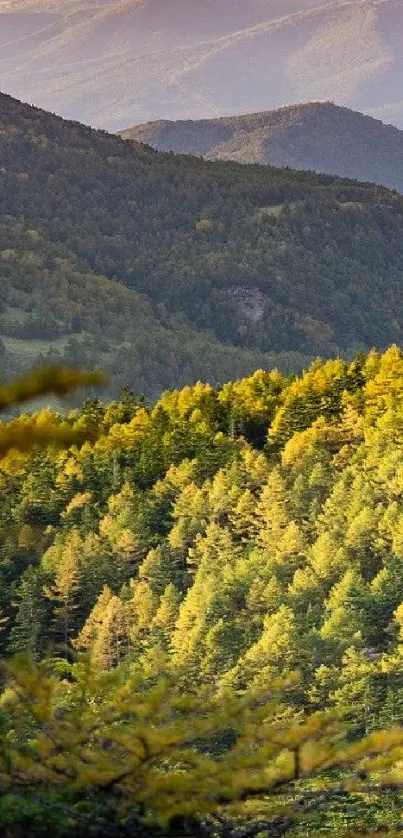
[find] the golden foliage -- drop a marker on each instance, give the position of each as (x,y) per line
(25,432)
(58,381)
(108,732)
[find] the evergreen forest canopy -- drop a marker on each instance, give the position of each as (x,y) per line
(244,541)
(165,269)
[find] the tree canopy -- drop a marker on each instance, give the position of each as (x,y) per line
(209,591)
(164,270)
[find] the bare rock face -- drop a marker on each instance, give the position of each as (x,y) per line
(251,302)
(114,63)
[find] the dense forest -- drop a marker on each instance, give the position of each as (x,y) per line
(242,540)
(165,269)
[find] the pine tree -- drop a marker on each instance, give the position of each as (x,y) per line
(191,626)
(274,653)
(65,590)
(90,630)
(112,640)
(271,513)
(165,618)
(345,622)
(29,631)
(159,569)
(264,597)
(243,518)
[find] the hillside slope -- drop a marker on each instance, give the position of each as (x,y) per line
(247,538)
(113,63)
(317,136)
(167,269)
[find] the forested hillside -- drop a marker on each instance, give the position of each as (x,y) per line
(317,135)
(220,268)
(227,537)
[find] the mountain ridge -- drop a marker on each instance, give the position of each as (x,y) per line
(318,136)
(164,270)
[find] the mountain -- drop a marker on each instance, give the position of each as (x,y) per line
(113,63)
(317,135)
(165,269)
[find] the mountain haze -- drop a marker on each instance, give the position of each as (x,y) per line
(114,63)
(317,136)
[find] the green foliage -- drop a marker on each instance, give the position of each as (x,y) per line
(109,250)
(105,743)
(230,566)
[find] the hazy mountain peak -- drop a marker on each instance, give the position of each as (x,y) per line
(312,135)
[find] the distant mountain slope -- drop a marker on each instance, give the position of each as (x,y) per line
(166,269)
(55,309)
(317,136)
(113,63)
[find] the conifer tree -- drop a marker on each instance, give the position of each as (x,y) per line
(271,514)
(191,626)
(242,517)
(65,590)
(165,618)
(159,569)
(274,652)
(344,622)
(112,640)
(90,630)
(29,630)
